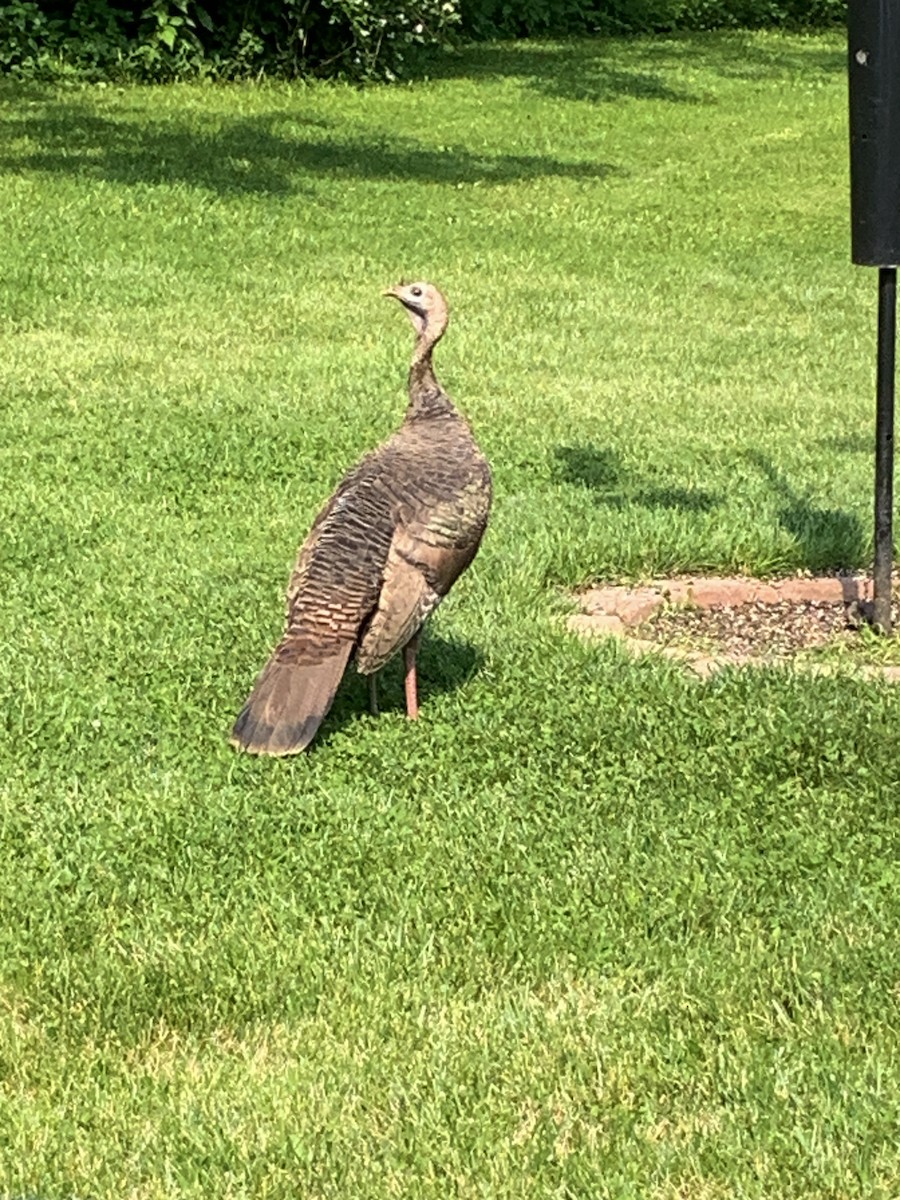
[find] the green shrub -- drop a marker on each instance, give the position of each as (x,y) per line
(168,39)
(506,18)
(27,37)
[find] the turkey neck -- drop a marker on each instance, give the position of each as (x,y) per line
(426,396)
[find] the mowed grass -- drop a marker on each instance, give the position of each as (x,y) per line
(587,929)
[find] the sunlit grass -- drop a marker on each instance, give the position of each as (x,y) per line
(589,928)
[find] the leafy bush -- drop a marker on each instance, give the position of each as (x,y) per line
(167,39)
(491,18)
(26,37)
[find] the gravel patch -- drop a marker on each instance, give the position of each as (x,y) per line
(767,630)
(709,622)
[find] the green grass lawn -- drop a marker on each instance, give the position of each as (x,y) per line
(588,929)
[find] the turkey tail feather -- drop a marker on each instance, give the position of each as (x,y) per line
(289,702)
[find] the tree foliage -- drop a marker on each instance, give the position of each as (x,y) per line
(169,39)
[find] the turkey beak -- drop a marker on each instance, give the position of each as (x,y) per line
(393,291)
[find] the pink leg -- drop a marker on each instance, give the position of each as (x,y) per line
(412,694)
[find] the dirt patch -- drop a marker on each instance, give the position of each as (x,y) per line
(708,623)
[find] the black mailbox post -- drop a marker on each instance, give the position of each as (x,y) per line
(874,80)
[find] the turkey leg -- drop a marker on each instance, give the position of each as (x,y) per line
(409,661)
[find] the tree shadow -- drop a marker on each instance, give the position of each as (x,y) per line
(849,443)
(601,471)
(603,69)
(739,54)
(598,82)
(443,665)
(573,70)
(277,153)
(828,538)
(268,154)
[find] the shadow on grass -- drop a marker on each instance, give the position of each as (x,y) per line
(269,154)
(275,153)
(613,486)
(443,665)
(592,71)
(829,539)
(599,70)
(850,443)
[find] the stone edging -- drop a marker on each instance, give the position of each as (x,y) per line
(614,611)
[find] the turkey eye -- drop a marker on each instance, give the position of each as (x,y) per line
(416,291)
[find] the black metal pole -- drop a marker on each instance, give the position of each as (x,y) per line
(884,449)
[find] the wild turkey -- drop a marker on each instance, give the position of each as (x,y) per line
(382,553)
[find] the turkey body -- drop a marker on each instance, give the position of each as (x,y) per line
(384,550)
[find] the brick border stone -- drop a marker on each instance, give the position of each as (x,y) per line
(616,611)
